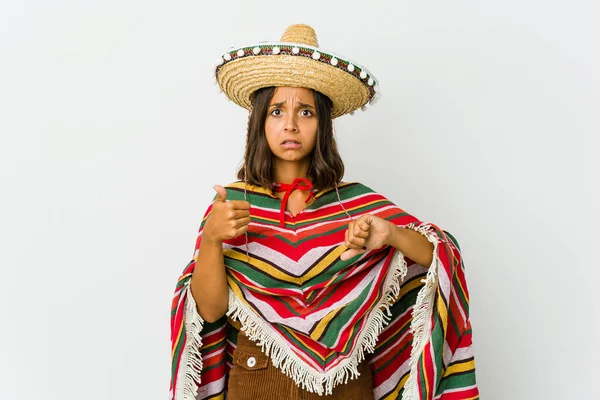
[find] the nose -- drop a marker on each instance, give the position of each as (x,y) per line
(291,123)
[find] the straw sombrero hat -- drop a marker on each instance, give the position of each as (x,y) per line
(297,61)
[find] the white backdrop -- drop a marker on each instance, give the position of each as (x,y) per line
(112,136)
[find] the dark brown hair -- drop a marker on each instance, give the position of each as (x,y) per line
(326,168)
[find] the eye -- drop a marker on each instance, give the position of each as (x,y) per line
(307,113)
(276,112)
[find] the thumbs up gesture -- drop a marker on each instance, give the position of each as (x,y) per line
(227,219)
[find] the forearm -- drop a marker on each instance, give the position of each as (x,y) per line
(209,281)
(412,244)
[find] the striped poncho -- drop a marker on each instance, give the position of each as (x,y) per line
(318,317)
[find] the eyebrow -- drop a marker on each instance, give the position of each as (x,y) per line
(301,105)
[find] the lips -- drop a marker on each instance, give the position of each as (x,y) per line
(291,144)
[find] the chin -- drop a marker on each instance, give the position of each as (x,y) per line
(291,157)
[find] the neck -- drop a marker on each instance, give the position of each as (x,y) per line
(287,171)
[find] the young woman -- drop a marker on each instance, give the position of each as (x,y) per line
(302,285)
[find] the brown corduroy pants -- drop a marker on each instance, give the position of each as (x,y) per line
(253,377)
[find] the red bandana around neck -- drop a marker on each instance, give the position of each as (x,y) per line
(298,183)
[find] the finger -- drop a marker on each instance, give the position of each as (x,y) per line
(346,238)
(221,193)
(352,241)
(364,224)
(360,232)
(241,230)
(349,230)
(239,205)
(237,227)
(356,243)
(349,254)
(237,214)
(237,223)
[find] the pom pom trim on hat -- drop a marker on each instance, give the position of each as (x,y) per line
(299,50)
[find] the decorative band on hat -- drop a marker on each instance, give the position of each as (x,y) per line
(296,50)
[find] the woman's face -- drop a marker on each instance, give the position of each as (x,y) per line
(291,123)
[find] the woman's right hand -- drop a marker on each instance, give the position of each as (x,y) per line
(227,219)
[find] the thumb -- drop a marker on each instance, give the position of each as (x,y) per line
(221,193)
(348,254)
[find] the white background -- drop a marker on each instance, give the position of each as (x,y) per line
(112,136)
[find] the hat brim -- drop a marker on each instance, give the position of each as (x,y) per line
(241,76)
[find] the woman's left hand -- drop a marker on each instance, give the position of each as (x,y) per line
(367,232)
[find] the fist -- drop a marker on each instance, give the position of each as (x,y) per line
(227,219)
(367,232)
